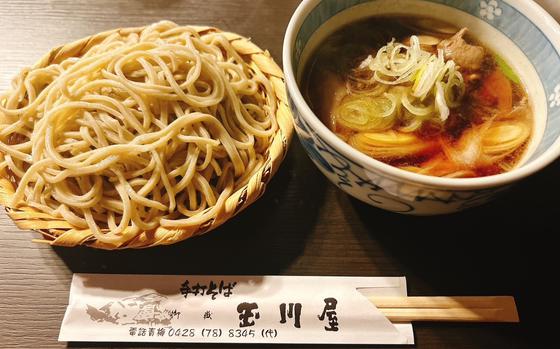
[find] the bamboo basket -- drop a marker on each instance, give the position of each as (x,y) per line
(58,232)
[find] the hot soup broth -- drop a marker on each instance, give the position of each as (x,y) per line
(420,95)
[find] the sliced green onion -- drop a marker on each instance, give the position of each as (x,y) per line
(419,111)
(425,84)
(441,106)
(506,69)
(428,78)
(365,113)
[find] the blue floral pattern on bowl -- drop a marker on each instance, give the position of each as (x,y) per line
(374,188)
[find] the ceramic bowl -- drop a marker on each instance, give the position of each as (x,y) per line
(520,31)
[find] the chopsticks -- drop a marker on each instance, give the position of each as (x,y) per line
(458,309)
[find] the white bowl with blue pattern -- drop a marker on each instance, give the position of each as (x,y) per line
(525,35)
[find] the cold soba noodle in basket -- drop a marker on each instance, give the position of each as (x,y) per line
(420,95)
(144,129)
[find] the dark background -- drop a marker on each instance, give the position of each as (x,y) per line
(303,225)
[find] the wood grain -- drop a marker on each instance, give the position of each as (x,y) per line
(301,226)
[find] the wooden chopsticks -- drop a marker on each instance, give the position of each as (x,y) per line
(460,309)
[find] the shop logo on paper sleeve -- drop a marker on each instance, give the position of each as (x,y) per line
(136,310)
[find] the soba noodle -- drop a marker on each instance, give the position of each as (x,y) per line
(147,129)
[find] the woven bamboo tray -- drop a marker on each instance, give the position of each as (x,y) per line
(58,232)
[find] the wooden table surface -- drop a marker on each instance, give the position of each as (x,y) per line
(303,225)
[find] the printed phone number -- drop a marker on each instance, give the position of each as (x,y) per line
(202,333)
